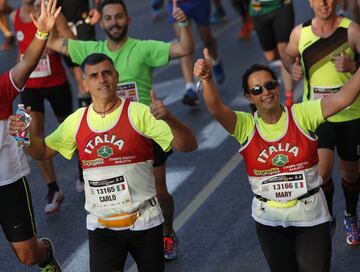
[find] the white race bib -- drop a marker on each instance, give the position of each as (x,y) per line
(108,193)
(128,90)
(321,92)
(284,187)
(43,69)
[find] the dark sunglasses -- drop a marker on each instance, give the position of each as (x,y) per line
(269,85)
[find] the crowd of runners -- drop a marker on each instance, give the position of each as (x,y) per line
(122,134)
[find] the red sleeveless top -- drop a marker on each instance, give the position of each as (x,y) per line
(25,32)
(119,145)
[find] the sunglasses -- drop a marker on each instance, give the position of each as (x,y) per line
(269,85)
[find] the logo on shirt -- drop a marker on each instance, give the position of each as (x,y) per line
(103,139)
(20,36)
(105,152)
(280,160)
(266,153)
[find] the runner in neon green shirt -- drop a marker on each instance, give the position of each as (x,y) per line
(279,148)
(130,211)
(135,61)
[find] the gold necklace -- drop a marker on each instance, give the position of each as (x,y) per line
(102,113)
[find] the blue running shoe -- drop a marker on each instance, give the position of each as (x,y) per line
(219,73)
(170,247)
(352,230)
(191,98)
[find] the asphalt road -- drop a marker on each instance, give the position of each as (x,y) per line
(210,187)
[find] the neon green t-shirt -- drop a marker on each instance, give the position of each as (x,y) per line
(63,138)
(134,61)
(308,116)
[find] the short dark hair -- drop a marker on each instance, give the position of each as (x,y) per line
(255,68)
(109,2)
(95,58)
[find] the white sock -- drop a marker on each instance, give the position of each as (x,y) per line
(190,85)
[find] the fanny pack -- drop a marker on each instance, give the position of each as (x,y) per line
(123,220)
(287,204)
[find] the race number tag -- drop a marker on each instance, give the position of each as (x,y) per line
(108,193)
(284,187)
(43,69)
(128,90)
(321,92)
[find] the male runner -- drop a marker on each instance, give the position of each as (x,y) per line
(327,46)
(135,60)
(114,139)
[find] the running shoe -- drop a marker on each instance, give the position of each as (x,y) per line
(54,200)
(246,29)
(191,98)
(352,230)
(8,44)
(332,226)
(170,247)
(219,73)
(53,265)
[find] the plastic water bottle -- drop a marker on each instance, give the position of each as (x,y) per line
(23,137)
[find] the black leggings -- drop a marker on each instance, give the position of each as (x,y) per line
(296,249)
(109,249)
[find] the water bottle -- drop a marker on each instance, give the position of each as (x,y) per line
(23,137)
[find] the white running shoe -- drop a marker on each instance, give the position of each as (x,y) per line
(54,200)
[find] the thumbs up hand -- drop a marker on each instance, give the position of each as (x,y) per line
(296,70)
(178,14)
(157,108)
(202,67)
(343,63)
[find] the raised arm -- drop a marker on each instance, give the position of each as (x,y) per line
(59,38)
(94,13)
(63,29)
(184,139)
(291,57)
(44,23)
(223,114)
(336,102)
(185,45)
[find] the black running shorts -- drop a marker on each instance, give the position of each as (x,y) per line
(274,27)
(16,212)
(60,99)
(345,136)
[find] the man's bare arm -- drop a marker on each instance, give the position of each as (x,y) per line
(185,45)
(58,44)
